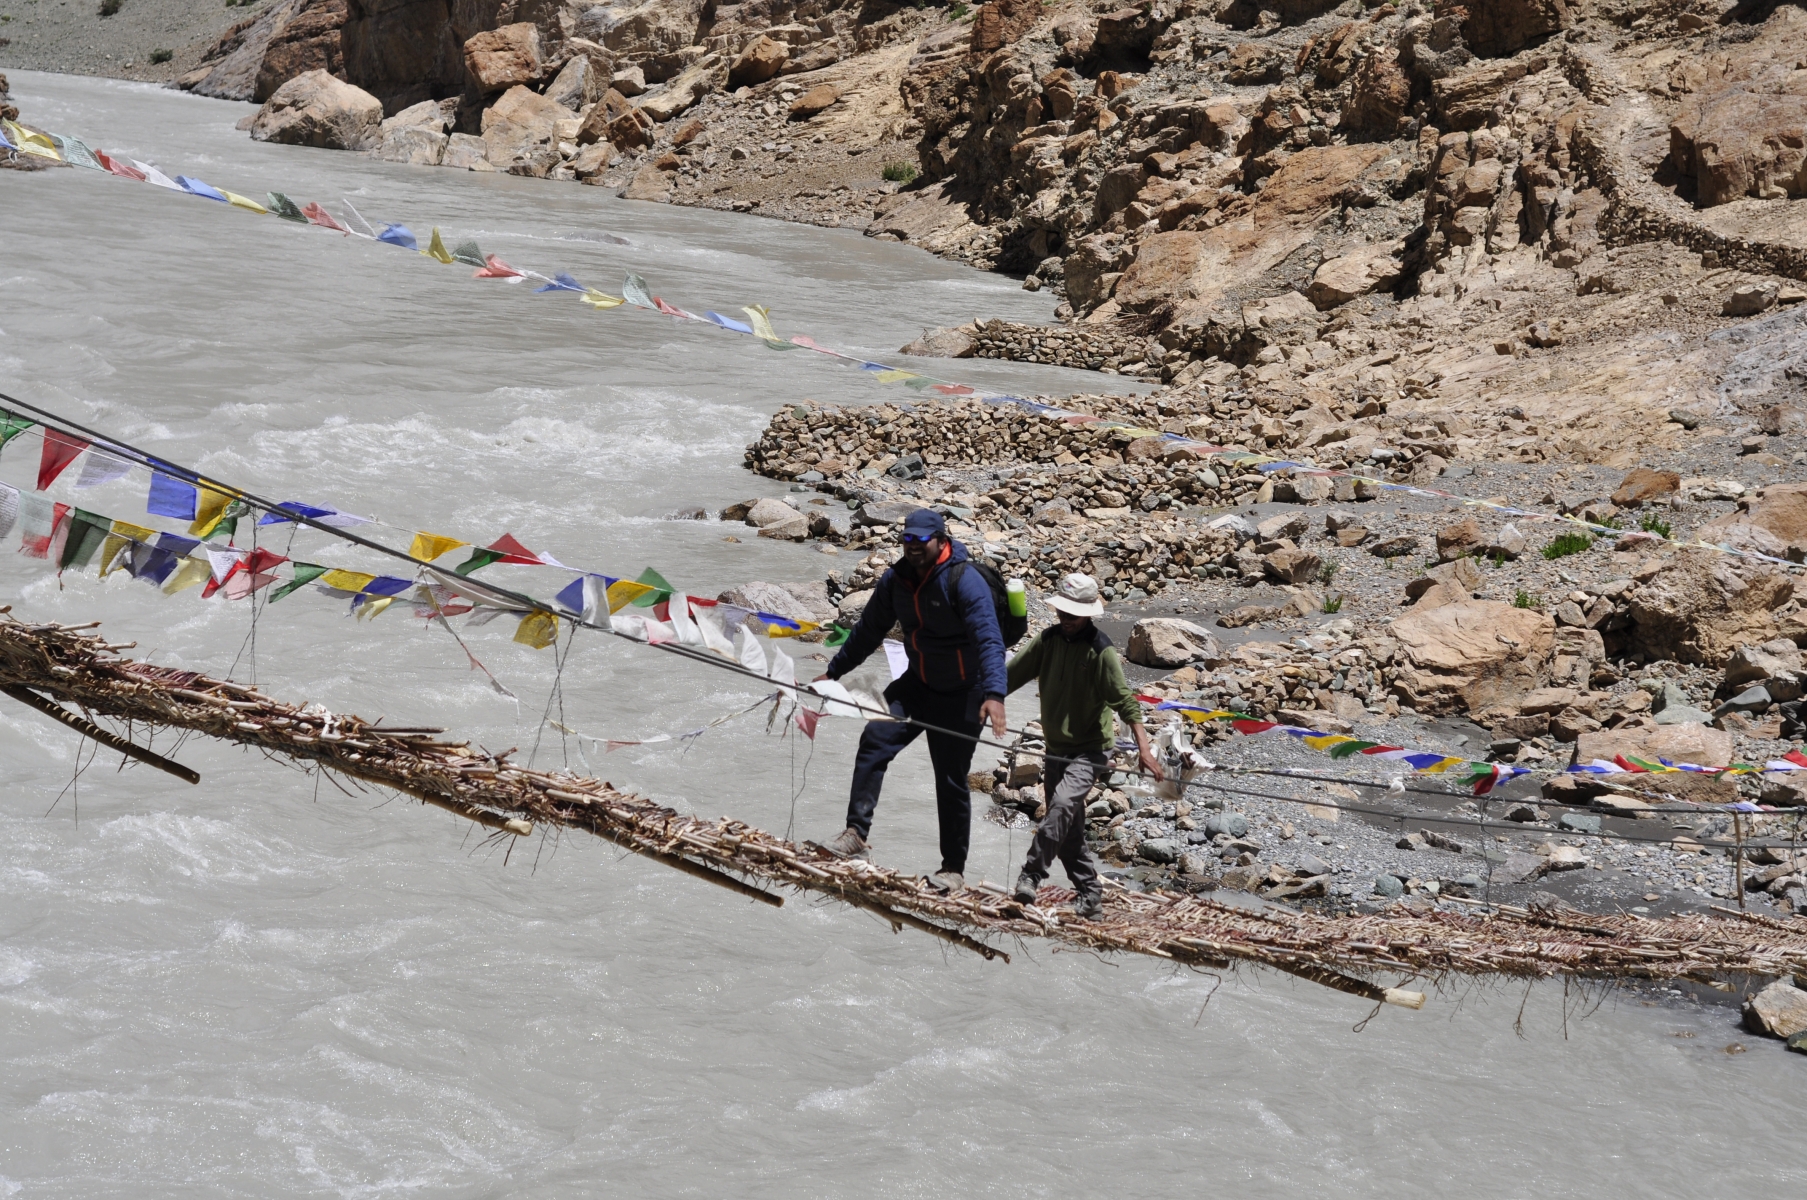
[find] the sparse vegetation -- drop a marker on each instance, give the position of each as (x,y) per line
(1328,571)
(958,11)
(1565,544)
(1651,523)
(1525,599)
(1333,604)
(899,172)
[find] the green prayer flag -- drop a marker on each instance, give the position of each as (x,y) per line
(467,252)
(652,579)
(305,573)
(478,560)
(286,208)
(12,425)
(837,634)
(86,532)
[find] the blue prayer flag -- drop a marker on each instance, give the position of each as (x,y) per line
(562,282)
(398,235)
(730,323)
(195,187)
(170,497)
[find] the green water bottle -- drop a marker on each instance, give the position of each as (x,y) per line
(1017,596)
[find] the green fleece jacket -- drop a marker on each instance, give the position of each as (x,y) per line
(1081,684)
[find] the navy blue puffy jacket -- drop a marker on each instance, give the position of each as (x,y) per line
(953,641)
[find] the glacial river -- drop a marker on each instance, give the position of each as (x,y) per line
(260,988)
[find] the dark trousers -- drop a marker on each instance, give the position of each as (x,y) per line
(952,758)
(1061,833)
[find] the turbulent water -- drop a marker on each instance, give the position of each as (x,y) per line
(258,987)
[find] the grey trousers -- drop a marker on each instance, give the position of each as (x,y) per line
(1061,833)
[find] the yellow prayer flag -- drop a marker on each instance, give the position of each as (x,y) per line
(538,629)
(781,631)
(759,315)
(894,376)
(238,201)
(347,581)
(436,249)
(624,592)
(600,300)
(192,571)
(210,510)
(119,537)
(429,546)
(371,609)
(30,142)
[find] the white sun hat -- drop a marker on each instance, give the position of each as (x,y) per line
(1078,595)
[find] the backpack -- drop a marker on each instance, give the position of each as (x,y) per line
(1011,626)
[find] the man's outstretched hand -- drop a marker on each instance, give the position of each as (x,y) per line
(993,711)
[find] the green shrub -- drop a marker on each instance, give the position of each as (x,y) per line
(899,172)
(162,56)
(1651,523)
(1565,544)
(1333,604)
(1525,599)
(958,11)
(1328,571)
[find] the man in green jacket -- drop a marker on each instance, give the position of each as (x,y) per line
(1081,682)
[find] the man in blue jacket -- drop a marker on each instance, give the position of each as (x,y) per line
(955,681)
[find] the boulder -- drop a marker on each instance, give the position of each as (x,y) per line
(760,61)
(702,77)
(1162,270)
(1168,642)
(798,601)
(578,84)
(1703,606)
(1641,485)
(1380,96)
(654,33)
(256,56)
(1749,299)
(1474,655)
(1459,540)
(520,132)
(767,511)
(1699,744)
(466,152)
(1291,566)
(507,57)
(1158,850)
(816,100)
(315,109)
(1780,1010)
(1742,142)
(592,161)
(1340,280)
(943,343)
(415,135)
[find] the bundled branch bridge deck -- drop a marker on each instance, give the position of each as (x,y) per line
(74,676)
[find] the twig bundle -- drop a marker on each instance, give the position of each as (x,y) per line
(69,666)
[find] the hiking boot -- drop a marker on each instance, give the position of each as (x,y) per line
(849,845)
(1088,906)
(947,881)
(1026,888)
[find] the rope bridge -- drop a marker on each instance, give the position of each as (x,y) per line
(74,676)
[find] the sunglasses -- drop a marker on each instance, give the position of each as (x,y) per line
(923,539)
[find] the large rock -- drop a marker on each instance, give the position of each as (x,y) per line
(406,51)
(578,84)
(1167,642)
(798,601)
(654,33)
(1474,655)
(1743,142)
(1340,280)
(1699,744)
(314,109)
(760,61)
(1780,1010)
(416,135)
(1779,510)
(1642,484)
(503,58)
(1495,28)
(818,99)
(1704,605)
(943,343)
(520,132)
(1162,270)
(767,511)
(258,55)
(707,74)
(1380,96)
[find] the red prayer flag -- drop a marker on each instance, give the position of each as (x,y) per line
(513,552)
(667,309)
(59,451)
(126,170)
(319,216)
(495,269)
(806,721)
(1796,757)
(1630,766)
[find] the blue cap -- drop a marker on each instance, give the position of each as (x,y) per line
(925,522)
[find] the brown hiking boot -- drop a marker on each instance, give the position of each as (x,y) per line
(849,845)
(947,881)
